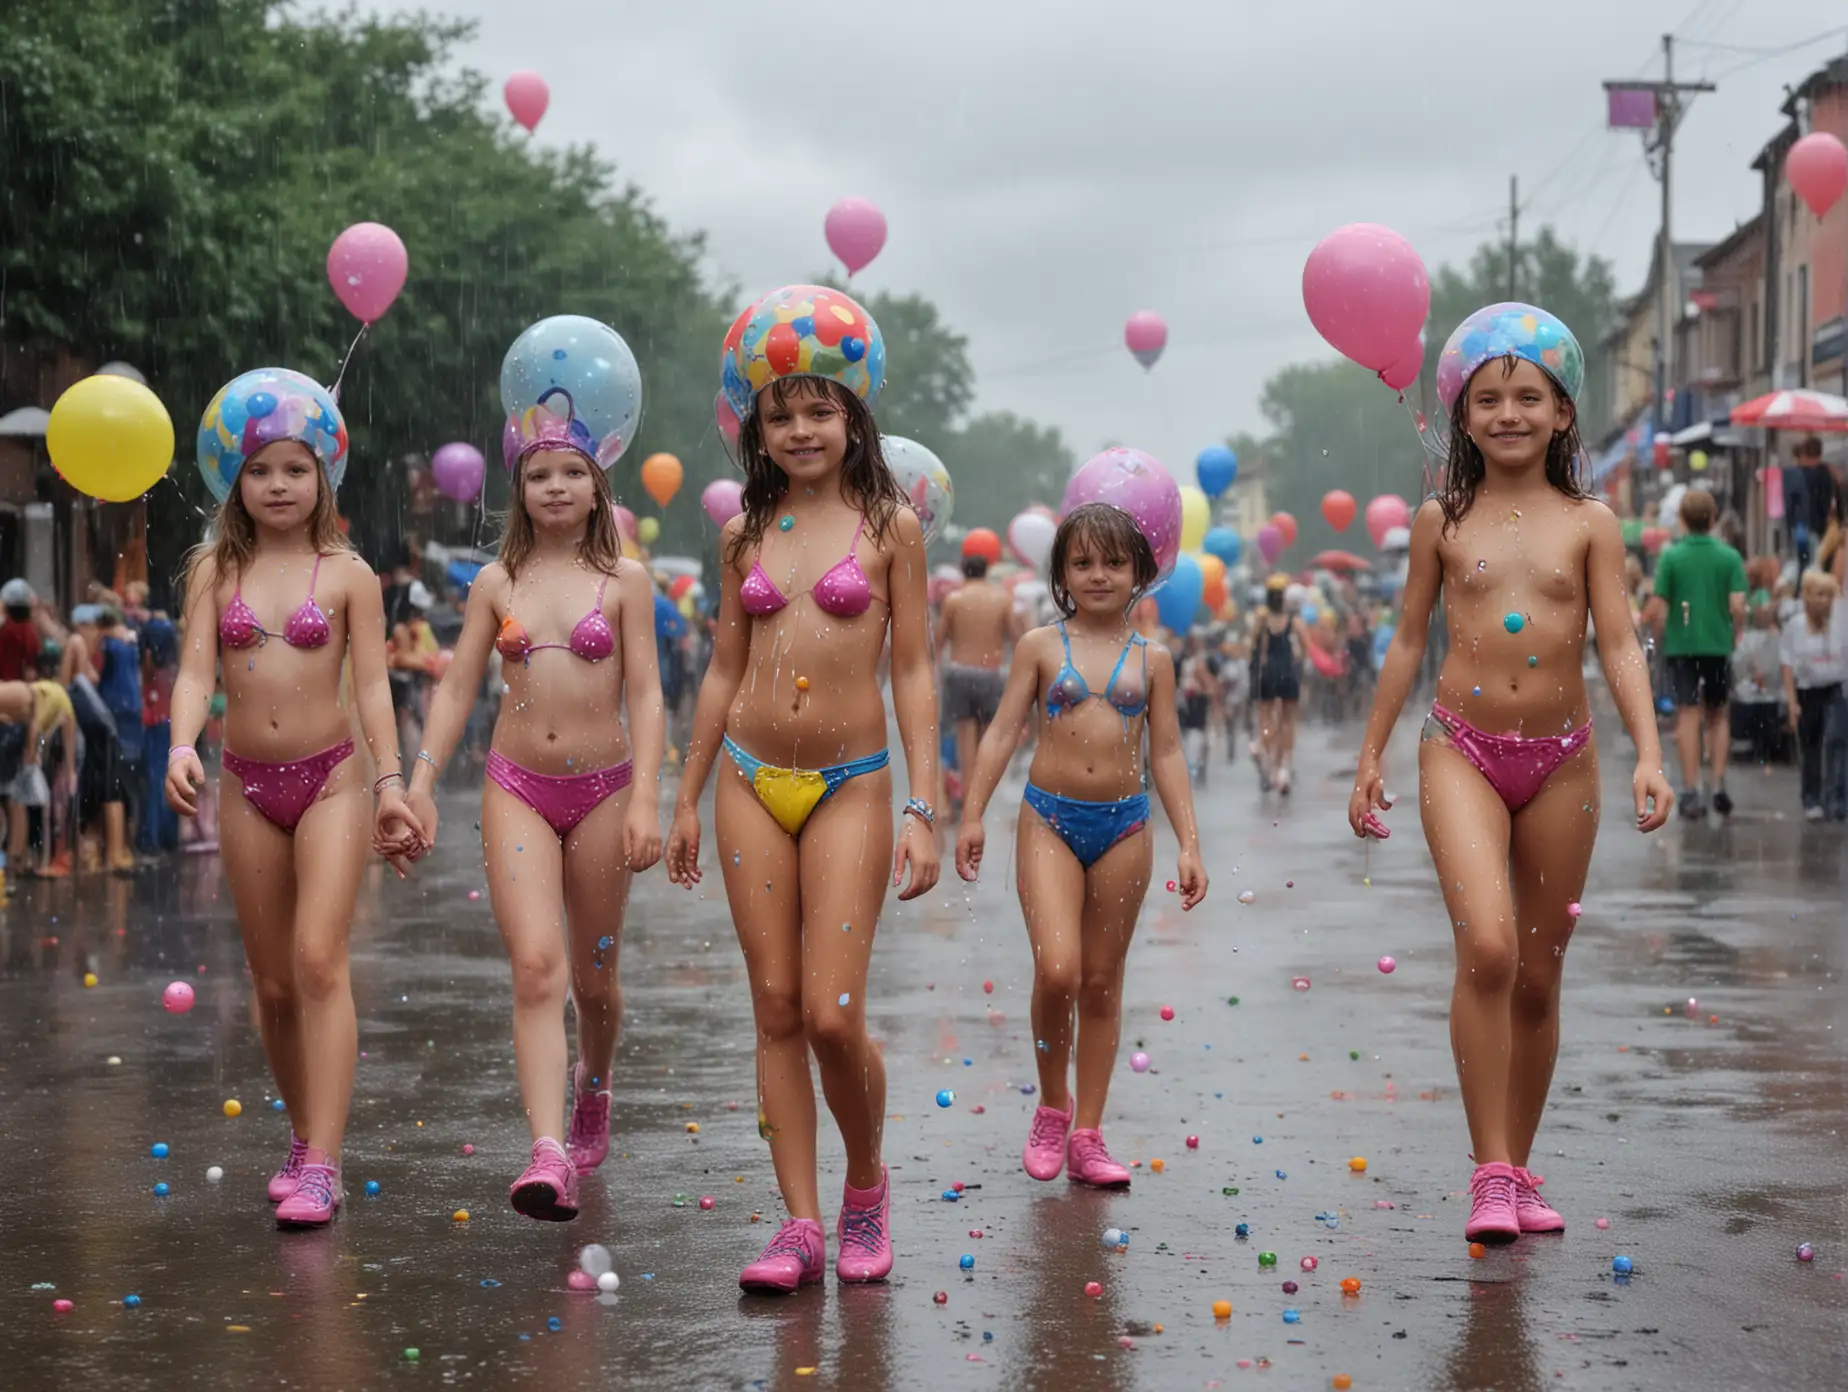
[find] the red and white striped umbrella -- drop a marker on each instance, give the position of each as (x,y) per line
(1794,410)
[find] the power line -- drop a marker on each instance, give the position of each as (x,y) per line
(1838,32)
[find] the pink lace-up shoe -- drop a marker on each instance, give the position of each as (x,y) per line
(1531,1211)
(282,1183)
(862,1232)
(588,1140)
(1491,1205)
(1087,1162)
(548,1188)
(796,1256)
(1044,1155)
(315,1199)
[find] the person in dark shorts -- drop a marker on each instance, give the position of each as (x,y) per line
(1278,647)
(975,629)
(1699,609)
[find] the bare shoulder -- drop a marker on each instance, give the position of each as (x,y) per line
(633,585)
(1161,661)
(905,533)
(1594,514)
(1037,644)
(350,568)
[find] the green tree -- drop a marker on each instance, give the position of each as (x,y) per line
(1000,463)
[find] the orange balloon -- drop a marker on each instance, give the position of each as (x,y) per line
(984,543)
(1213,594)
(1286,527)
(661,475)
(1212,570)
(1338,508)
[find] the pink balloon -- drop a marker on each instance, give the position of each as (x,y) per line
(726,417)
(178,998)
(1817,167)
(1137,483)
(723,500)
(1270,542)
(1367,293)
(1146,334)
(625,521)
(1406,367)
(366,266)
(856,231)
(527,97)
(459,471)
(1384,513)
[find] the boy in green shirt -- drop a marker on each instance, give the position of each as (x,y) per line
(1698,608)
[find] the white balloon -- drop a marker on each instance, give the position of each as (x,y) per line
(608,1282)
(595,1259)
(1030,535)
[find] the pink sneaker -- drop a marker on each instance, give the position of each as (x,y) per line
(588,1140)
(796,1256)
(1044,1155)
(315,1199)
(1087,1162)
(282,1183)
(1491,1205)
(861,1232)
(548,1188)
(1531,1211)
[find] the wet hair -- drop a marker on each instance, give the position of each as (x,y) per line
(600,548)
(233,545)
(1465,468)
(974,567)
(1698,510)
(866,479)
(1109,532)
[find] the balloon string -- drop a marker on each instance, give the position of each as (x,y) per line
(339,377)
(1436,450)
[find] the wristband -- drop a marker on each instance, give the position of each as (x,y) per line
(383,779)
(424,754)
(179,750)
(921,809)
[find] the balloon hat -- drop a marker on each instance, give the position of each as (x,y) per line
(570,383)
(802,331)
(1510,330)
(260,408)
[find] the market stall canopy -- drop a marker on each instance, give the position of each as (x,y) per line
(1340,560)
(1794,410)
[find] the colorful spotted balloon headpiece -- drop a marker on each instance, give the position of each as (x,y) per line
(802,331)
(569,382)
(552,423)
(1510,330)
(260,408)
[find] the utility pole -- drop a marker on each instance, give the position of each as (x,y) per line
(1659,142)
(1514,235)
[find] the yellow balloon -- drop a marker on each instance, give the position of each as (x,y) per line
(1195,514)
(661,474)
(1212,569)
(1698,460)
(110,438)
(648,529)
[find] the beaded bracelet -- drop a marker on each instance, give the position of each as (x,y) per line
(922,810)
(383,779)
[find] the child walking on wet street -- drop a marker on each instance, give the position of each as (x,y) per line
(1508,772)
(1085,848)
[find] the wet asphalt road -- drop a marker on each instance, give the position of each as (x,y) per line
(1710,1136)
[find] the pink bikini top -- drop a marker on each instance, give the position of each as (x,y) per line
(591,637)
(844,591)
(307,627)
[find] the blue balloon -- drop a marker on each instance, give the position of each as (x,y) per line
(1217,466)
(1177,599)
(576,379)
(1223,542)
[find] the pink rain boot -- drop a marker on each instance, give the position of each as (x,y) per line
(1491,1205)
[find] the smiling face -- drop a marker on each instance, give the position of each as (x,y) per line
(558,490)
(1513,415)
(804,431)
(1101,585)
(280,484)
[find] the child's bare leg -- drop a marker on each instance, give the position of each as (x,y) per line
(331,844)
(1051,883)
(596,898)
(1552,841)
(1115,887)
(260,865)
(1466,828)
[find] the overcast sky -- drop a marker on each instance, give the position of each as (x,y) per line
(1049,166)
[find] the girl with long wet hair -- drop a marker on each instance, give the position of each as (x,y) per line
(294,819)
(570,808)
(1085,849)
(825,562)
(1508,767)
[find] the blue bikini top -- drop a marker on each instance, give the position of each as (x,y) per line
(1069,688)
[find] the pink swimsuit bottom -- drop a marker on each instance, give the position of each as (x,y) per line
(1517,766)
(563,800)
(283,792)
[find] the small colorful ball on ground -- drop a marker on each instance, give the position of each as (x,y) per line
(1167,1012)
(966,1262)
(581,1281)
(162,1189)
(459,1216)
(1387,966)
(608,1282)
(1574,909)
(1301,983)
(1477,1250)
(988,988)
(1267,1258)
(1358,1164)
(63,1307)
(1193,1142)
(1139,1062)
(554,1324)
(372,1188)
(1341,1382)
(1805,1252)
(1242,1230)
(233,1107)
(131,1301)
(1623,1266)
(158,1150)
(1222,1309)
(1309,1263)
(946,1098)
(278,1105)
(1257,1140)
(942,1297)
(1158,1165)
(89,980)
(1290,1288)
(1094,1288)
(178,998)
(214,1174)
(1291,1317)
(1602,1224)
(1247,897)
(1114,1238)
(707,1202)
(467,1149)
(1350,1285)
